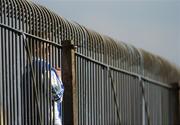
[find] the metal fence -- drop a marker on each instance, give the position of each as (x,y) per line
(108,95)
(117,84)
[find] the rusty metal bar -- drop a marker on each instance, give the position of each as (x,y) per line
(69,80)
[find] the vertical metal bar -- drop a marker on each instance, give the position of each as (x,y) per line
(41,84)
(78,86)
(1,110)
(94,93)
(117,93)
(14,84)
(17,78)
(85,90)
(26,72)
(21,96)
(31,105)
(47,82)
(14,77)
(38,74)
(126,95)
(103,95)
(90,103)
(99,87)
(123,103)
(106,95)
(44,90)
(10,68)
(80,89)
(100,95)
(91,100)
(113,95)
(83,87)
(2,56)
(1,63)
(118,97)
(6,77)
(1,74)
(34,61)
(3,77)
(89,96)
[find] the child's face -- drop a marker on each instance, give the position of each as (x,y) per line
(58,70)
(43,51)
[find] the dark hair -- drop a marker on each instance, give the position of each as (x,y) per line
(39,49)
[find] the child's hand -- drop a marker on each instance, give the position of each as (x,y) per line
(58,71)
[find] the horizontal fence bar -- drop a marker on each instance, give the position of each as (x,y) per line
(126,72)
(30,35)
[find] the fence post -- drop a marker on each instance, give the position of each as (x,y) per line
(69,79)
(175,100)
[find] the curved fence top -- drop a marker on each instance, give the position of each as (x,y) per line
(40,22)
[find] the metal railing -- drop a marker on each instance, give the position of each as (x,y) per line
(117,84)
(109,95)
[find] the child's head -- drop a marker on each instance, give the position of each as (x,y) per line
(41,50)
